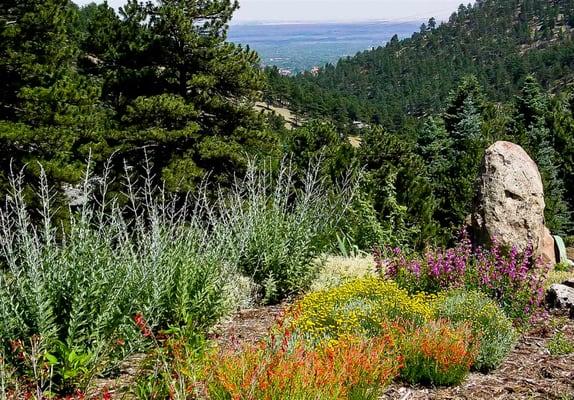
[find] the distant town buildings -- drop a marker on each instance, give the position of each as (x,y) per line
(285,72)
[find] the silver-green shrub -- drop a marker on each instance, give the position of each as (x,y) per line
(280,227)
(75,288)
(489,323)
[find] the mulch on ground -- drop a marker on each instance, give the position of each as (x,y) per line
(247,326)
(530,372)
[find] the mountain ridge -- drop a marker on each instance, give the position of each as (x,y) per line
(500,42)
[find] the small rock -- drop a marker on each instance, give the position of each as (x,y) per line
(560,296)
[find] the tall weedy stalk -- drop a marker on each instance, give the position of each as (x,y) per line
(3,378)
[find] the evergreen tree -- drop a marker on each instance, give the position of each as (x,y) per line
(464,150)
(184,93)
(398,180)
(51,113)
(320,141)
(531,129)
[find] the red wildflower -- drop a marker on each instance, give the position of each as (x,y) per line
(143,325)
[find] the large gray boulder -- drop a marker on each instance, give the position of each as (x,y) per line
(510,204)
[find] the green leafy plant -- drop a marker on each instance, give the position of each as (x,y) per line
(358,307)
(276,231)
(346,247)
(560,345)
(69,364)
(489,324)
(161,259)
(173,368)
(76,290)
(563,267)
(437,353)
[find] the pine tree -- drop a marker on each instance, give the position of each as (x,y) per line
(391,162)
(51,113)
(184,93)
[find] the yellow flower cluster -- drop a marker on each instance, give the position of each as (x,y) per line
(359,308)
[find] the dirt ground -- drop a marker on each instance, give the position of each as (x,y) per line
(530,372)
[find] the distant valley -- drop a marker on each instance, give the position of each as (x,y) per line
(301,46)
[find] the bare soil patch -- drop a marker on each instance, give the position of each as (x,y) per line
(247,326)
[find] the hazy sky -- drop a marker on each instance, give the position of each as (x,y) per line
(335,10)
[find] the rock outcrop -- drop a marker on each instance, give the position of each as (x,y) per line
(511,204)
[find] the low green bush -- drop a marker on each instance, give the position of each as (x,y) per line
(338,270)
(437,353)
(560,345)
(359,307)
(488,321)
(563,267)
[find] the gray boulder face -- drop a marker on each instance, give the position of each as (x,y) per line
(560,296)
(510,205)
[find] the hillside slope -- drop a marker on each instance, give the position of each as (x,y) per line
(498,41)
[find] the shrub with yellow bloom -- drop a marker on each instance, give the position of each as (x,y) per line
(359,308)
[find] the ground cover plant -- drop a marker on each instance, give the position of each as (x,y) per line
(346,342)
(468,327)
(357,368)
(560,345)
(359,307)
(488,323)
(338,270)
(75,300)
